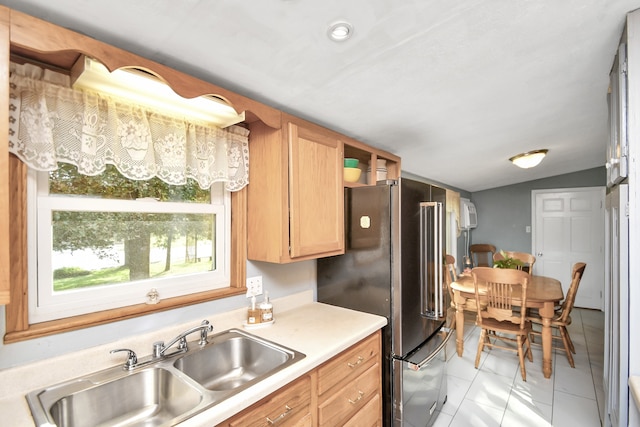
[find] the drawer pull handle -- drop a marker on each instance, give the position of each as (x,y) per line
(360,396)
(353,365)
(287,409)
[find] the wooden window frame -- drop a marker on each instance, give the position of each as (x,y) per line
(17,311)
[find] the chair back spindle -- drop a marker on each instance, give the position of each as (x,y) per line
(502,286)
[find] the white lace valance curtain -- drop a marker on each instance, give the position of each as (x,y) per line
(49,122)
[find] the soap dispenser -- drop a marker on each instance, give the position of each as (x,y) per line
(254,315)
(266,309)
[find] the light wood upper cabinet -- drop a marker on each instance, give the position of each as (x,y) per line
(296,189)
(315,189)
(295,198)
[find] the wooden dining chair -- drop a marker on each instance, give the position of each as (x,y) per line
(482,254)
(562,317)
(496,290)
(527,259)
(450,275)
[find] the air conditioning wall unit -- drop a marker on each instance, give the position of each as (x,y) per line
(468,214)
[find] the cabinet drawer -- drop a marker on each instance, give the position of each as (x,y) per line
(289,407)
(351,398)
(369,415)
(352,362)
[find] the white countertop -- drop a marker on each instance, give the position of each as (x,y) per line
(320,331)
(634,385)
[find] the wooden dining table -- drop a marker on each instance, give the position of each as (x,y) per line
(543,293)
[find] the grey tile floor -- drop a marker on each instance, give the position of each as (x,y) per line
(495,395)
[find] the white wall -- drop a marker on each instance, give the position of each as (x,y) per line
(279,280)
(505,212)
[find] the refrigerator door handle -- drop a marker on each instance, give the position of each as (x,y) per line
(439,259)
(431,291)
(434,354)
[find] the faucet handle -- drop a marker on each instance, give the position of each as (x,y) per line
(132,359)
(182,344)
(158,348)
(208,327)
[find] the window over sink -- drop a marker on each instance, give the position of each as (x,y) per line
(106,241)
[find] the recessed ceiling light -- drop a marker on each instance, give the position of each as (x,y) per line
(340,31)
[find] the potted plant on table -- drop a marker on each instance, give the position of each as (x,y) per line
(503,261)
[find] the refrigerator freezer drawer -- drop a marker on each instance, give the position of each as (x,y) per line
(420,385)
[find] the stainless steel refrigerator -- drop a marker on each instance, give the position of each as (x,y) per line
(393,267)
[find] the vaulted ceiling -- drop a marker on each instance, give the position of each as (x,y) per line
(453,87)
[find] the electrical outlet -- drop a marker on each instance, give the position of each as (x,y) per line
(254,286)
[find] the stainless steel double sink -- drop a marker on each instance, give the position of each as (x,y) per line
(166,391)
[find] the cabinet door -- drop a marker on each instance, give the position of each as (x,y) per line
(348,364)
(316,192)
(351,398)
(369,415)
(288,407)
(350,386)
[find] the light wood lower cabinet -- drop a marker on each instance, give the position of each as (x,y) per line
(369,415)
(344,391)
(349,385)
(350,398)
(290,406)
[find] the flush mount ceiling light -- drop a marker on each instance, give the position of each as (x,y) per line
(146,89)
(340,31)
(529,159)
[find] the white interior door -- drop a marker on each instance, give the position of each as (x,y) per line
(568,227)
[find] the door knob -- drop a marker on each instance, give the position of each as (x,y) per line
(539,254)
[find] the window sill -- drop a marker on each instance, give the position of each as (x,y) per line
(39,330)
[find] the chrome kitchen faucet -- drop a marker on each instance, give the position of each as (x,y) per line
(159,348)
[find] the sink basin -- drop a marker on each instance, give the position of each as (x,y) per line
(163,391)
(150,397)
(235,360)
